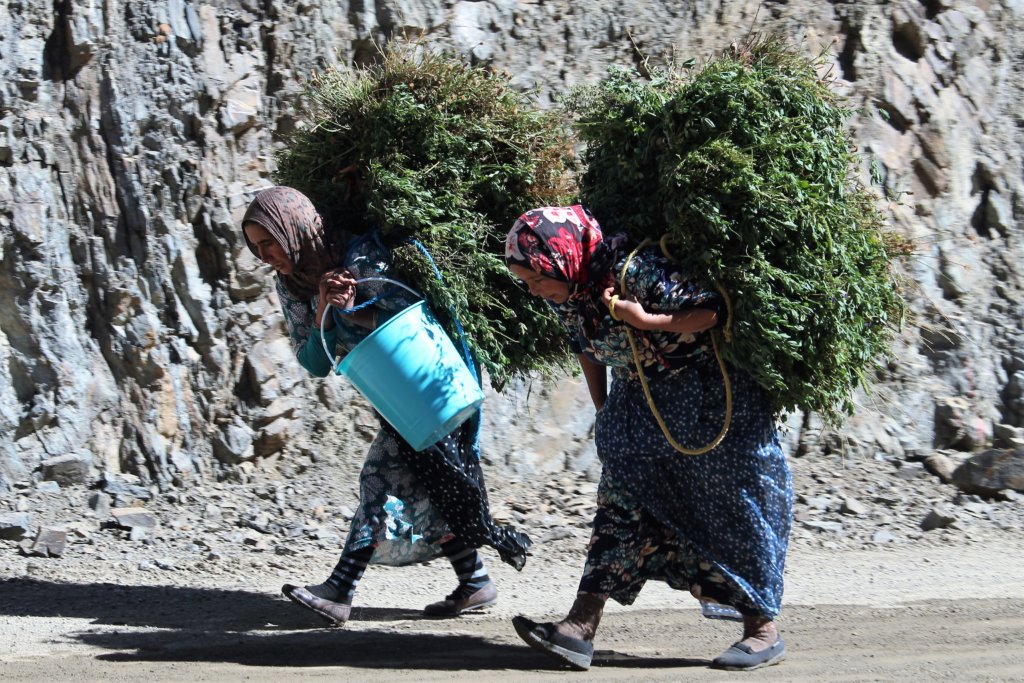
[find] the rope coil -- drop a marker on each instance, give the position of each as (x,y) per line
(727,333)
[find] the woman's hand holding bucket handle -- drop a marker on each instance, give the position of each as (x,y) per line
(338,290)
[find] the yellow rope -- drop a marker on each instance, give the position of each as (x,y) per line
(718,356)
(611,306)
(727,328)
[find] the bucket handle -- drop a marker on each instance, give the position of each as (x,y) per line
(327,311)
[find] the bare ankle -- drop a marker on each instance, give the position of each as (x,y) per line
(759,630)
(584,617)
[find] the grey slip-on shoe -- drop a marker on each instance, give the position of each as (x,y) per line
(740,657)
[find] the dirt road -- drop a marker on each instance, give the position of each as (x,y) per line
(949,614)
(935,640)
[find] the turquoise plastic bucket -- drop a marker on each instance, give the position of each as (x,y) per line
(410,371)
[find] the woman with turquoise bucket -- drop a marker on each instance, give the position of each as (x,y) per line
(413,505)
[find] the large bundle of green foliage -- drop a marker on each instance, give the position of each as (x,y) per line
(424,146)
(746,163)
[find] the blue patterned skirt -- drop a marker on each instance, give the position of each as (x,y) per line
(715,524)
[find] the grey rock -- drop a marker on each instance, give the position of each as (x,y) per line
(941,465)
(48,543)
(910,470)
(273,437)
(255,540)
(938,518)
(124,488)
(1006,436)
(261,523)
(830,527)
(14,525)
(67,470)
(957,424)
(820,503)
(991,471)
(852,506)
(99,503)
(955,276)
(977,507)
(555,535)
(133,517)
(883,536)
(234,443)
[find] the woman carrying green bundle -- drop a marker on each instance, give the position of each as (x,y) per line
(413,506)
(715,523)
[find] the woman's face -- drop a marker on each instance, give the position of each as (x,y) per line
(555,291)
(267,248)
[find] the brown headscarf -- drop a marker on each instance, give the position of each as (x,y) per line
(294,222)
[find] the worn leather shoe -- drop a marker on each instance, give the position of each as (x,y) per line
(453,605)
(334,613)
(741,657)
(545,638)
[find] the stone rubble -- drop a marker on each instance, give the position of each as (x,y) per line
(275,522)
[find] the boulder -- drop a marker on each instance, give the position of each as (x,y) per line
(991,471)
(67,470)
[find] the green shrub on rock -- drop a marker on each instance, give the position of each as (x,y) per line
(425,146)
(747,166)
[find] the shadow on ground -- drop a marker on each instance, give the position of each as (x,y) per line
(256,629)
(169,607)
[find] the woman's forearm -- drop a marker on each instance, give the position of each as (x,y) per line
(311,354)
(632,312)
(683,322)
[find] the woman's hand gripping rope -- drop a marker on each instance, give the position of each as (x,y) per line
(630,311)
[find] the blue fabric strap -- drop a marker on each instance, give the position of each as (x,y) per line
(466,354)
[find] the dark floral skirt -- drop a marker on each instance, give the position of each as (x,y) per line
(412,501)
(715,524)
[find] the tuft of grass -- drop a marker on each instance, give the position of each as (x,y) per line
(425,146)
(747,165)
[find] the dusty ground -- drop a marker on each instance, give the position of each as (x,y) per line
(947,613)
(871,595)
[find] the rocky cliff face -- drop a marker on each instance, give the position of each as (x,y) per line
(138,336)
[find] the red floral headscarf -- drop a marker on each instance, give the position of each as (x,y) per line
(557,242)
